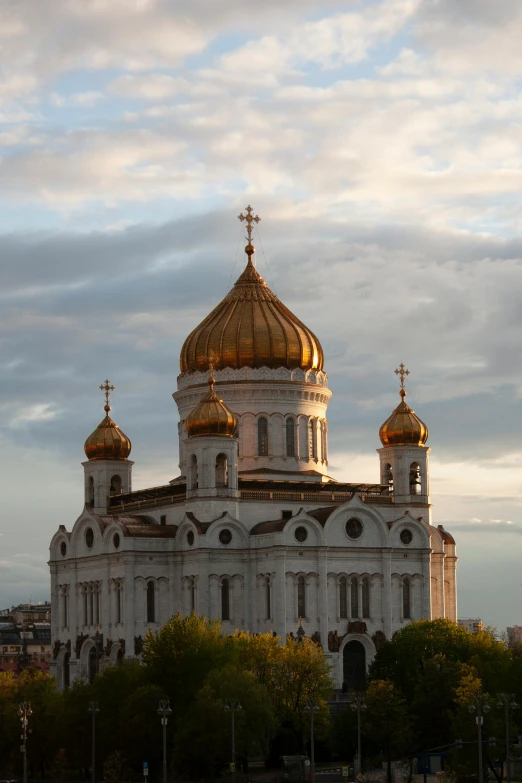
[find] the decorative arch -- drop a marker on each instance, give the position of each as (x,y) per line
(415,479)
(221,470)
(115,485)
(369,654)
(262,436)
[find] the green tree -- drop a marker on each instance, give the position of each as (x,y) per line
(203,741)
(386,724)
(179,657)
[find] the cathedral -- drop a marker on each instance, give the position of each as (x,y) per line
(253,531)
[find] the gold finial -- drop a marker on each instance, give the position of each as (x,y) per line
(250,219)
(402,371)
(107,388)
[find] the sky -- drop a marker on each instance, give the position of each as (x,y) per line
(381,144)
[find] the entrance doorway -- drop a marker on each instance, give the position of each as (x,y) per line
(354,666)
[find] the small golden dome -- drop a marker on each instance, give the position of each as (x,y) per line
(211,416)
(107,441)
(251,328)
(403,427)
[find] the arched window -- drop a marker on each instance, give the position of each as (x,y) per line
(365,597)
(225,599)
(115,488)
(388,477)
(151,608)
(90,492)
(66,670)
(91,604)
(193,596)
(262,437)
(406,602)
(354,598)
(119,591)
(312,440)
(193,472)
(96,596)
(343,597)
(268,598)
(324,442)
(221,470)
(290,437)
(301,597)
(415,479)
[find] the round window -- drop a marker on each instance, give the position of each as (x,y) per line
(116,540)
(354,528)
(89,537)
(301,534)
(63,548)
(190,538)
(406,536)
(225,536)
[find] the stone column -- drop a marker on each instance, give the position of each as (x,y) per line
(128,608)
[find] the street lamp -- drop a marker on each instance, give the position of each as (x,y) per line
(312,708)
(232,705)
(358,704)
(164,711)
(479,705)
(25,712)
(507,703)
(93,709)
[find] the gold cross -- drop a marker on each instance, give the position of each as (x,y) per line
(402,371)
(107,388)
(211,362)
(250,218)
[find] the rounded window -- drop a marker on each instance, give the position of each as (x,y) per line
(301,534)
(63,548)
(190,538)
(225,536)
(406,536)
(116,540)
(89,537)
(354,528)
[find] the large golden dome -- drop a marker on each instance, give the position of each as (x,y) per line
(251,328)
(403,427)
(211,416)
(107,441)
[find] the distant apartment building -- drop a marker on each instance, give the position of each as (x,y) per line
(473,625)
(25,637)
(514,635)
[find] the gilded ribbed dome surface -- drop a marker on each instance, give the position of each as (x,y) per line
(211,417)
(403,428)
(107,441)
(251,328)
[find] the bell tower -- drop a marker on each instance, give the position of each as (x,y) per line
(108,471)
(404,457)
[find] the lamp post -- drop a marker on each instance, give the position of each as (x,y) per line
(231,706)
(507,702)
(479,705)
(93,709)
(312,708)
(25,712)
(358,704)
(164,711)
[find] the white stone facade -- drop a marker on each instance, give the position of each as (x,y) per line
(252,532)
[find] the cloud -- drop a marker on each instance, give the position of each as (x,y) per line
(153,87)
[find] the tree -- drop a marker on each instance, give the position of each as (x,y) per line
(203,742)
(386,724)
(404,658)
(180,655)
